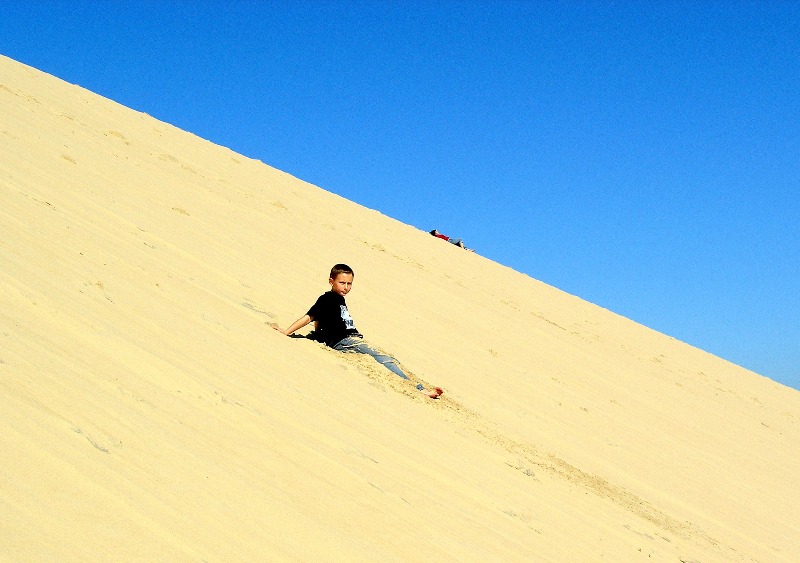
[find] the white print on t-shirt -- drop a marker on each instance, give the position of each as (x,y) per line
(348,320)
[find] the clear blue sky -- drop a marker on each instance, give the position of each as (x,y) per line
(644,156)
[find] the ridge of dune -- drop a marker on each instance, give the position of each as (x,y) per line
(151,413)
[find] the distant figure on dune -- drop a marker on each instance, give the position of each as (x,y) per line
(457,241)
(334,326)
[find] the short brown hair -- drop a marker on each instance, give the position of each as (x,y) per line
(341,269)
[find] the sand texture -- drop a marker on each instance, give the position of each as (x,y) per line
(150,413)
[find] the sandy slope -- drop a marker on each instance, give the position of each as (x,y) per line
(149,412)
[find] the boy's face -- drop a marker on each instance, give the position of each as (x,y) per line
(342,284)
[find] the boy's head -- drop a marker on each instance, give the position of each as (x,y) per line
(341,269)
(341,279)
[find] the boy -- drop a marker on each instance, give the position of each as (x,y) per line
(457,241)
(334,326)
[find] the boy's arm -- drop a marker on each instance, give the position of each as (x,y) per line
(299,323)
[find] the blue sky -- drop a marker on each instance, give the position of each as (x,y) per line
(644,156)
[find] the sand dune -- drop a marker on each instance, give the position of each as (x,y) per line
(151,414)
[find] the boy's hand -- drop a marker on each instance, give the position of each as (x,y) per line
(276,327)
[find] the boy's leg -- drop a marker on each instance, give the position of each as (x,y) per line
(359,346)
(387,361)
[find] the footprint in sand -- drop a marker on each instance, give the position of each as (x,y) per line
(252,307)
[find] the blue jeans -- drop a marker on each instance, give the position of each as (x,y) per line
(357,345)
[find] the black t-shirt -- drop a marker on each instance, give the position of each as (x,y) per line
(335,322)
